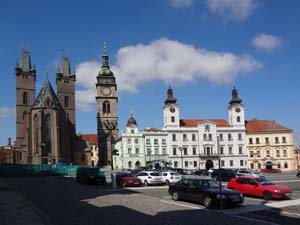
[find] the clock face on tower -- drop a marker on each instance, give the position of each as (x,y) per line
(172,109)
(106,91)
(237,110)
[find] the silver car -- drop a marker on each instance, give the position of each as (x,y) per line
(245,172)
(149,177)
(170,177)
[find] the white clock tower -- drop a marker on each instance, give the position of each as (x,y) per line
(236,111)
(171,111)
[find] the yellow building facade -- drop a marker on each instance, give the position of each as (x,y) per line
(270,146)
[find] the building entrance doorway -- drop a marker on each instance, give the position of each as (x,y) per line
(209,164)
(269,165)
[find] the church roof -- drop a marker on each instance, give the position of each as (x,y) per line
(91,138)
(194,122)
(264,126)
(46,92)
(131,121)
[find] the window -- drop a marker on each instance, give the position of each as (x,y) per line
(276,140)
(48,134)
(259,165)
(156,141)
(185,151)
(256,140)
(240,150)
(210,137)
(164,151)
(106,107)
(221,137)
(137,151)
(250,141)
(222,150)
(174,151)
(194,151)
(148,142)
(163,141)
(36,134)
(252,166)
(277,153)
(229,137)
(238,119)
(156,151)
(241,162)
(184,137)
(251,154)
(222,163)
(132,131)
(258,154)
(278,165)
(175,164)
(284,153)
(172,119)
(129,164)
(25,98)
(267,141)
(285,165)
(186,163)
(173,137)
(240,137)
(230,150)
(268,153)
(136,141)
(129,141)
(204,137)
(283,139)
(195,163)
(149,151)
(231,163)
(66,101)
(193,137)
(129,151)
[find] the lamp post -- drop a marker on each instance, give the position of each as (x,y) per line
(181,149)
(220,179)
(297,158)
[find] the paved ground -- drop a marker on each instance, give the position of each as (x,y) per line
(68,203)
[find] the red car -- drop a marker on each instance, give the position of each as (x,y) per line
(127,179)
(259,186)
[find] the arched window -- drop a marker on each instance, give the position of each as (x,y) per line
(25,98)
(36,134)
(66,101)
(172,119)
(48,133)
(106,107)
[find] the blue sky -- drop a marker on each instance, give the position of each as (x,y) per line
(201,48)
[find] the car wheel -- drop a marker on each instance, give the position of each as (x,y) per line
(146,183)
(175,196)
(267,195)
(207,202)
(167,182)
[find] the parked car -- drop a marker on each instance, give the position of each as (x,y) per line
(126,179)
(179,170)
(259,186)
(170,177)
(226,174)
(90,175)
(202,172)
(149,177)
(298,174)
(204,191)
(246,172)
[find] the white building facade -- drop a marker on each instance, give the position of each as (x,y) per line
(194,144)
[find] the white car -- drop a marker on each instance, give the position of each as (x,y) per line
(170,177)
(150,177)
(245,172)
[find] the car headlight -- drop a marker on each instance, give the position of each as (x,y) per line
(277,191)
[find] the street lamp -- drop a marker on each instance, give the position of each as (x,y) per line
(220,179)
(181,149)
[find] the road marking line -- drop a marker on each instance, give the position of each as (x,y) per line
(184,205)
(285,181)
(256,220)
(255,199)
(289,213)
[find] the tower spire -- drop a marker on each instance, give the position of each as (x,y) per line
(26,61)
(235,98)
(105,68)
(170,99)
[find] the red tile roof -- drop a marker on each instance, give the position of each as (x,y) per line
(152,129)
(264,126)
(92,138)
(194,122)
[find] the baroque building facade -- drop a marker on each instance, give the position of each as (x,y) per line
(197,143)
(45,125)
(270,146)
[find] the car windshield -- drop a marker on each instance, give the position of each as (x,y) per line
(206,184)
(155,174)
(263,181)
(93,171)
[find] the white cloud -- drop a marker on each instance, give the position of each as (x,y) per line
(181,3)
(7,112)
(266,42)
(166,60)
(232,9)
